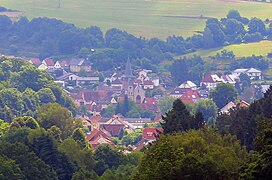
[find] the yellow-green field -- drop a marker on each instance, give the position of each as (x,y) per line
(240,50)
(148,18)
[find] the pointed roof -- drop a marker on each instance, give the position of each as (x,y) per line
(128,71)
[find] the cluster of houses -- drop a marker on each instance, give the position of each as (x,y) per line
(118,85)
(115,88)
(102,130)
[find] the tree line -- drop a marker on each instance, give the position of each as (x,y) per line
(45,37)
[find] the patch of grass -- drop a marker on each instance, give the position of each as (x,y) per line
(148,18)
(240,50)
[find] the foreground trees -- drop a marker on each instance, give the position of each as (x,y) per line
(197,154)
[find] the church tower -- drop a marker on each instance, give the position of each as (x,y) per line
(128,80)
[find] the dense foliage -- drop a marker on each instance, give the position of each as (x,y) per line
(24,88)
(197,154)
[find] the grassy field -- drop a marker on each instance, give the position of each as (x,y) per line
(240,50)
(148,18)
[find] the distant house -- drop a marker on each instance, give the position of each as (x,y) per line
(149,135)
(231,105)
(190,96)
(42,67)
(35,61)
(251,72)
(210,81)
(230,78)
(114,126)
(188,85)
(148,84)
(99,136)
(76,65)
(177,92)
(49,63)
(117,83)
(137,123)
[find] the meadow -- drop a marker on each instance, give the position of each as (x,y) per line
(147,18)
(240,50)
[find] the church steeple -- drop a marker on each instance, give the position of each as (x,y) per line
(128,70)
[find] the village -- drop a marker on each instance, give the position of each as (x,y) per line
(95,97)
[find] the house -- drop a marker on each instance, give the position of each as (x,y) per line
(35,61)
(76,65)
(49,63)
(251,72)
(177,92)
(149,135)
(188,85)
(149,104)
(210,81)
(230,78)
(114,126)
(190,96)
(148,84)
(137,123)
(80,81)
(42,67)
(99,136)
(231,105)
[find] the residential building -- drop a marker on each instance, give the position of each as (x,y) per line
(210,81)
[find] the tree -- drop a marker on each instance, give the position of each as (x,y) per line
(107,158)
(178,119)
(79,136)
(83,175)
(223,94)
(166,103)
(256,25)
(54,114)
(177,67)
(9,169)
(31,166)
(82,157)
(26,121)
(208,109)
(234,14)
(46,96)
(196,154)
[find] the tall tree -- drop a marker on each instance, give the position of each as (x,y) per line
(223,94)
(178,119)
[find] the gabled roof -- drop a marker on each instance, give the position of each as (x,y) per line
(94,95)
(79,62)
(190,96)
(151,133)
(253,70)
(35,61)
(211,78)
(63,63)
(49,62)
(187,85)
(150,101)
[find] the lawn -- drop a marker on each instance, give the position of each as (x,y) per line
(148,18)
(240,50)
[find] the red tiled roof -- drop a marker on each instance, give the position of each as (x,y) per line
(35,60)
(76,96)
(190,96)
(49,62)
(151,133)
(113,129)
(94,95)
(95,119)
(150,101)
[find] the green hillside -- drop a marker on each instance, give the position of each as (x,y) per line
(240,50)
(149,18)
